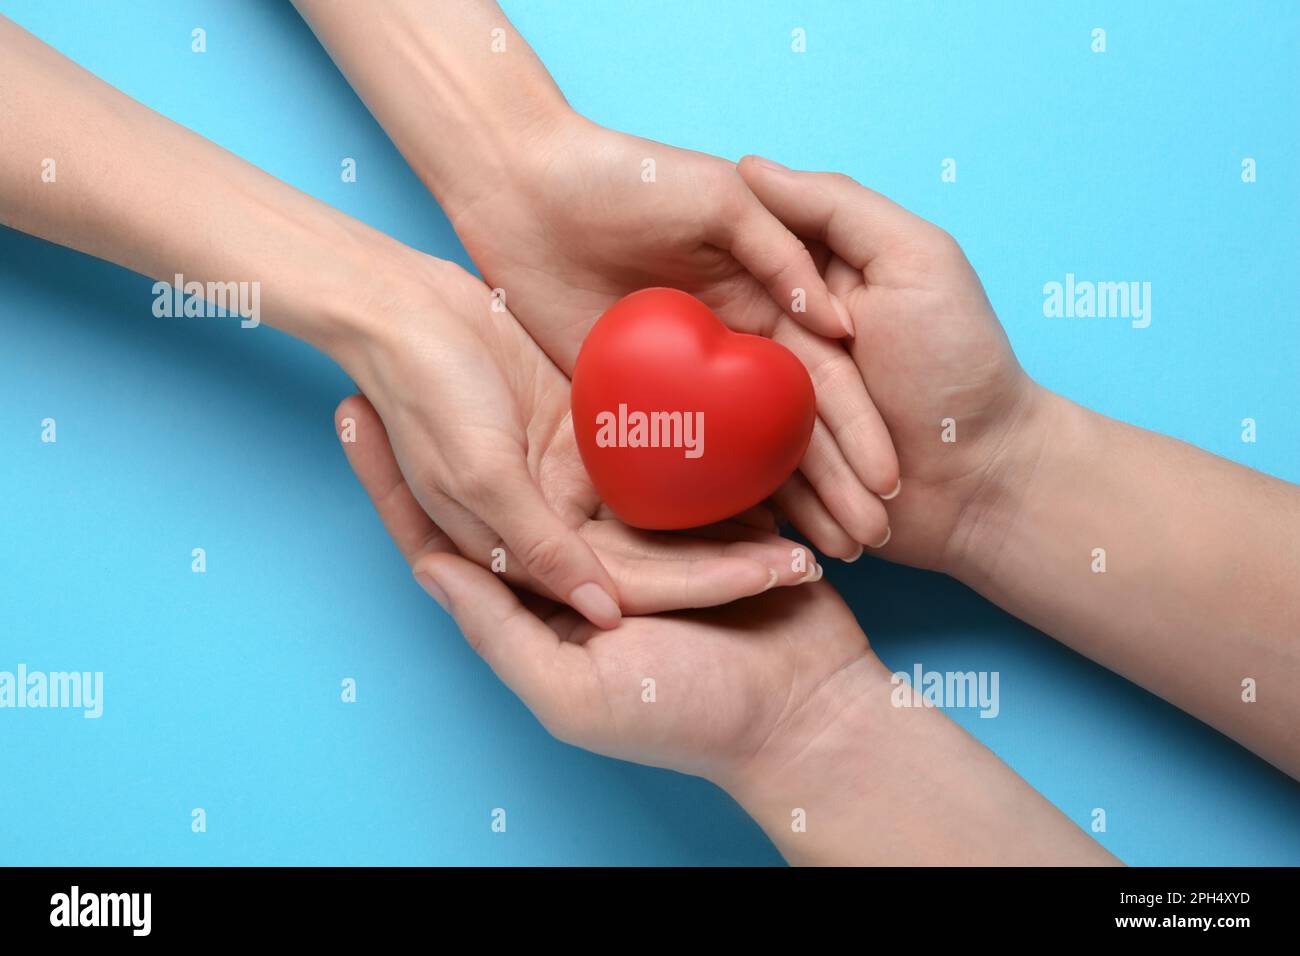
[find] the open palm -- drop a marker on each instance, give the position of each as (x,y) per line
(698,691)
(503,478)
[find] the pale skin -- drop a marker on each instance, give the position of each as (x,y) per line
(1201,590)
(419,334)
(778,699)
(557,212)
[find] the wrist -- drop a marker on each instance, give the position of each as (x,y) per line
(509,159)
(817,764)
(872,774)
(459,91)
(367,296)
(320,275)
(1043,436)
(385,314)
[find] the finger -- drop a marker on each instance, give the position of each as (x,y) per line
(822,257)
(548,676)
(776,258)
(806,512)
(854,221)
(369,452)
(772,550)
(615,543)
(854,508)
(554,554)
(649,585)
(844,404)
(841,278)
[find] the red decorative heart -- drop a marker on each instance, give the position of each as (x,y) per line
(680,421)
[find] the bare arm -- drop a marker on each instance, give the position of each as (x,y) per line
(417,334)
(1017,491)
(457,89)
(855,779)
(1199,599)
(564,217)
(129,185)
(778,699)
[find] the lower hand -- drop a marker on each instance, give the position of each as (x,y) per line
(726,681)
(778,699)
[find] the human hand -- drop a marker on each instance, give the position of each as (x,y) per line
(778,699)
(929,345)
(571,225)
(479,420)
(725,679)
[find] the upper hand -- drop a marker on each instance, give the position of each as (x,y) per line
(590,215)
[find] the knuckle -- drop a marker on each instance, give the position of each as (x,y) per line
(543,556)
(474,486)
(781,270)
(832,372)
(794,254)
(728,196)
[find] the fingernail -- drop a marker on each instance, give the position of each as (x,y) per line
(818,571)
(846,320)
(889,533)
(893,494)
(771,164)
(857,554)
(812,574)
(594,603)
(431,586)
(771,580)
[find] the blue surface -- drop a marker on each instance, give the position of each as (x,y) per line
(222,690)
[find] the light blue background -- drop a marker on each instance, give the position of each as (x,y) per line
(222,690)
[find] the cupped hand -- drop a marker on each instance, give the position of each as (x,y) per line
(589,215)
(702,692)
(929,346)
(479,424)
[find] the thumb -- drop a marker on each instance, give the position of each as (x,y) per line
(855,222)
(553,554)
(774,256)
(519,647)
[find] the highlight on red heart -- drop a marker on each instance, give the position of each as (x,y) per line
(654,370)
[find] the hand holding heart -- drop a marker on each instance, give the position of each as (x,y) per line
(736,673)
(577,220)
(505,474)
(489,452)
(506,471)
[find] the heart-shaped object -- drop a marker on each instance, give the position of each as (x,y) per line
(680,421)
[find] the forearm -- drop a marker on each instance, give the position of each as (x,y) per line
(456,88)
(130,186)
(861,779)
(1171,566)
